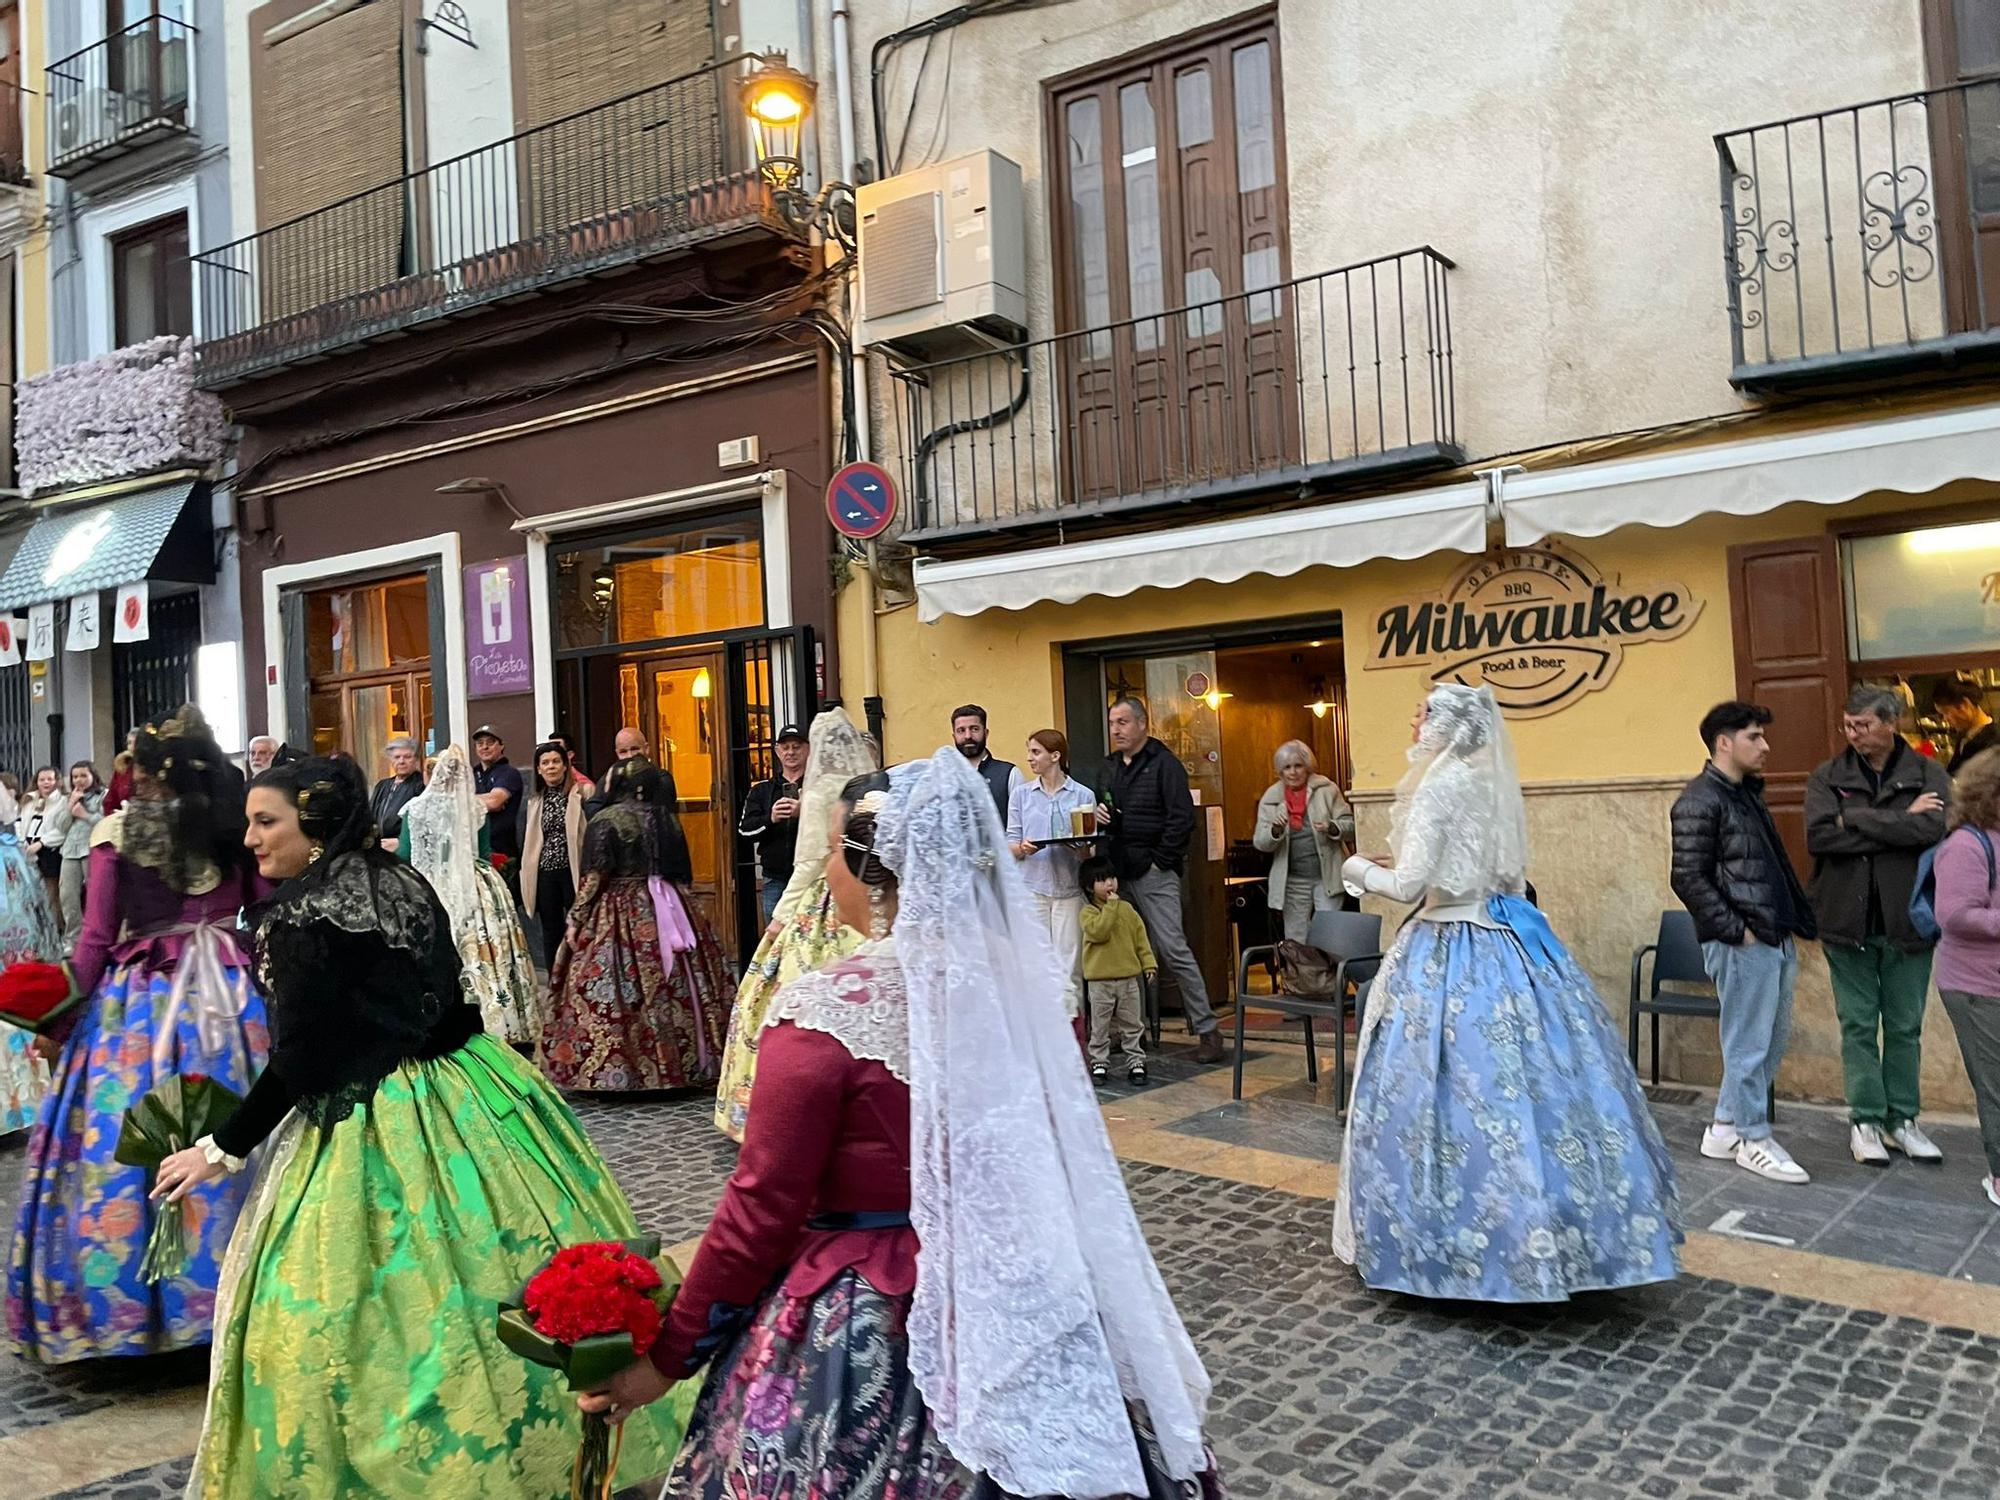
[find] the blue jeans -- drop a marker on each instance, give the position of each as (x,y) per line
(772,893)
(1754,982)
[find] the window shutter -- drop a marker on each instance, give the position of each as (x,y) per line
(1791,656)
(327,104)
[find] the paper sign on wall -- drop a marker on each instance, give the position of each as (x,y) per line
(1218,839)
(10,641)
(132,620)
(82,635)
(41,632)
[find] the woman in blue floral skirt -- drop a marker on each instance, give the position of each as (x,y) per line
(1498,1146)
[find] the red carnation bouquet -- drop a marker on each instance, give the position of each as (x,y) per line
(36,996)
(172,1117)
(589,1313)
(499,862)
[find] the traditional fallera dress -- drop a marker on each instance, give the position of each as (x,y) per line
(446,837)
(642,1000)
(1499,1148)
(419,1174)
(28,934)
(170,994)
(810,933)
(1030,1348)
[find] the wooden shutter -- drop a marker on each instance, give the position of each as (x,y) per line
(577,55)
(1791,656)
(327,108)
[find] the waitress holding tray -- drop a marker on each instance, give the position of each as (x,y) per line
(1050,839)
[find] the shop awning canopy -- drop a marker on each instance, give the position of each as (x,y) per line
(149,533)
(1451,518)
(1908,455)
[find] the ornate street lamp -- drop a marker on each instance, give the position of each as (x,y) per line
(778,99)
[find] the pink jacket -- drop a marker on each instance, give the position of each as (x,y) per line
(1968,911)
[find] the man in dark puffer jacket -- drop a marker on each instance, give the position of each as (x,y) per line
(1731,872)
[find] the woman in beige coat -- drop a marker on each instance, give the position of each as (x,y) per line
(1306,826)
(552,845)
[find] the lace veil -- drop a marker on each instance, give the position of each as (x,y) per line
(840,752)
(1039,1313)
(444,822)
(1459,824)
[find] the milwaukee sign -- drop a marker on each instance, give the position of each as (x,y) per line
(1539,625)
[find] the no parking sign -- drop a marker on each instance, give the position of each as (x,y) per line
(861,501)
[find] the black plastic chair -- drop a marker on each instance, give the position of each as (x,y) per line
(1677,959)
(1354,940)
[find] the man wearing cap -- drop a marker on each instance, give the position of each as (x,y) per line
(501,792)
(627,744)
(771,816)
(397,790)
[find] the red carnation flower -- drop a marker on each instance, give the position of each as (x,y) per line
(31,993)
(587,1290)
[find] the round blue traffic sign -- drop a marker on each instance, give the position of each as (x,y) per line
(861,501)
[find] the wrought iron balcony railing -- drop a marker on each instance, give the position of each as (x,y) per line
(641,176)
(1864,240)
(119,94)
(13,137)
(1292,388)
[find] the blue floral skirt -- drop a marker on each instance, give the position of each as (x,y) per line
(73,1286)
(1499,1148)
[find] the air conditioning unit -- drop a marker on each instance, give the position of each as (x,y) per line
(92,118)
(944,256)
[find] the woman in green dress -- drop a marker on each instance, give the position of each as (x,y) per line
(419,1174)
(806,933)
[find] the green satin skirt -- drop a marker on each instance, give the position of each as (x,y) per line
(355,1351)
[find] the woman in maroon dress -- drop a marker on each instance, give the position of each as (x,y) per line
(641,988)
(926,1094)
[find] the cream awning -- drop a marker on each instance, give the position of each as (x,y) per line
(1451,518)
(1909,455)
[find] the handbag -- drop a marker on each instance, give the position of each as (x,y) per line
(1306,971)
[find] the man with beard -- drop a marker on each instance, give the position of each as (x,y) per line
(968,735)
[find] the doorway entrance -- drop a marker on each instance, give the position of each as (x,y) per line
(1223,704)
(368,655)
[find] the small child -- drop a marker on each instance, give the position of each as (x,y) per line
(1115,955)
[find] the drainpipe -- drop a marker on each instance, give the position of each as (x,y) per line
(857,375)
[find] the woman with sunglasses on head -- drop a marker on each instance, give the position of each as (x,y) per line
(924,1094)
(417,1174)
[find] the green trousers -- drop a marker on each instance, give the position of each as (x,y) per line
(1879,994)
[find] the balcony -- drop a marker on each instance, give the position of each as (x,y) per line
(1289,391)
(13,140)
(1864,242)
(119,95)
(642,177)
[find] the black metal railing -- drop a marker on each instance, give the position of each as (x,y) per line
(119,93)
(1298,385)
(636,177)
(1863,238)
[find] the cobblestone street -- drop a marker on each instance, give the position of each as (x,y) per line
(1769,1370)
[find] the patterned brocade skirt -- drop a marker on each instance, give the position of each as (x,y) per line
(814,1398)
(355,1343)
(627,1016)
(1499,1148)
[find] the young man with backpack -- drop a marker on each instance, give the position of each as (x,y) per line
(1731,872)
(1871,812)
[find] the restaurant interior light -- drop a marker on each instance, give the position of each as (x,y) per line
(1974,536)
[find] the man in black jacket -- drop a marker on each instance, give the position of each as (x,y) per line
(1961,703)
(1732,873)
(1871,812)
(771,816)
(1150,815)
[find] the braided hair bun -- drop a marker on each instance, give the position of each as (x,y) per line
(863,798)
(331,795)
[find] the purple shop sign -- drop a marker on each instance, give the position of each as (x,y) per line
(499,657)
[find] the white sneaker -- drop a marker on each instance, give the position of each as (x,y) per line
(1910,1139)
(1992,1186)
(1719,1142)
(1865,1141)
(1770,1160)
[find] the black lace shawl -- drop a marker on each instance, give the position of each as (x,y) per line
(359,973)
(637,840)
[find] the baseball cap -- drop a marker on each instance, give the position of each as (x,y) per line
(488,732)
(790,732)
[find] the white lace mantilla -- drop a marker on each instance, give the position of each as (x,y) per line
(861,1003)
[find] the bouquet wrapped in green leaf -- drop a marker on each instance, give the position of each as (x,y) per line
(589,1313)
(172,1117)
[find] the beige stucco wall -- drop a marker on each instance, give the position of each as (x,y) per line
(1560,152)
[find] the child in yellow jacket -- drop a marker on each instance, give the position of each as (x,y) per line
(1116,955)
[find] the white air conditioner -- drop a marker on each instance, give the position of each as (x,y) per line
(944,259)
(92,118)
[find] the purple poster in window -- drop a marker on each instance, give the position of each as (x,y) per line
(499,658)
